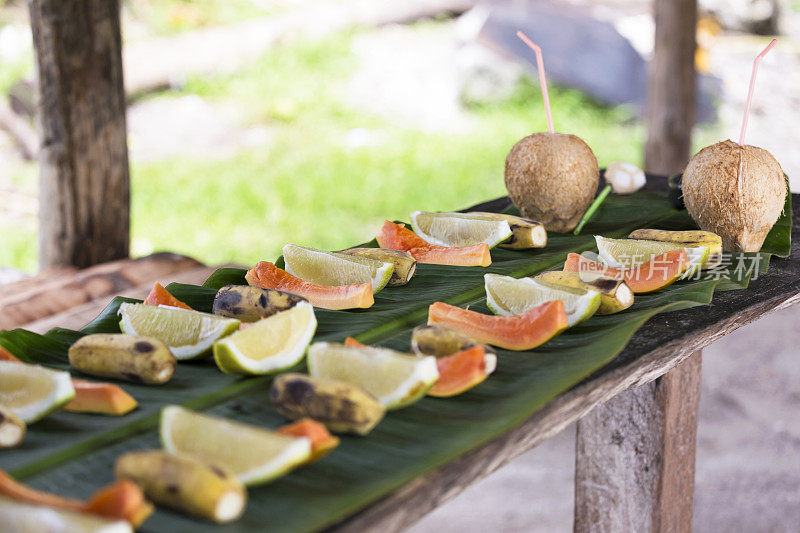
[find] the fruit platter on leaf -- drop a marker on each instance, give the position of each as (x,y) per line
(354,371)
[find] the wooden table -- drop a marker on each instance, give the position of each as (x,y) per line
(635,452)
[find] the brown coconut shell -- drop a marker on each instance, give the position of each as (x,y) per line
(735,191)
(552,178)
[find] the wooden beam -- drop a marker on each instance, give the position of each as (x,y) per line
(84,181)
(672,86)
(634,468)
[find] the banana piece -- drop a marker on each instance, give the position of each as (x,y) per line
(184,484)
(405,266)
(440,341)
(689,238)
(250,304)
(12,429)
(615,295)
(525,233)
(117,355)
(342,407)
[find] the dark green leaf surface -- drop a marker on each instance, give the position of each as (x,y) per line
(72,454)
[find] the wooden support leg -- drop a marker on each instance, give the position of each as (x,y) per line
(634,466)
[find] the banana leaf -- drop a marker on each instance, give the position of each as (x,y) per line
(73,454)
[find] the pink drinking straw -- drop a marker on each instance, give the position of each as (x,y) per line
(756,61)
(542,78)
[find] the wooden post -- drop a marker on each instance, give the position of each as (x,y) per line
(634,467)
(84,210)
(672,86)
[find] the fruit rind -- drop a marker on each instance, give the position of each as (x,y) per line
(62,391)
(250,304)
(231,360)
(293,255)
(615,295)
(500,228)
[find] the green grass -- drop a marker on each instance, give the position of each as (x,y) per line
(165,17)
(307,187)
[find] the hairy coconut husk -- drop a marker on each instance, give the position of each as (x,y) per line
(735,191)
(552,178)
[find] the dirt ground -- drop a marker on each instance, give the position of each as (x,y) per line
(748,472)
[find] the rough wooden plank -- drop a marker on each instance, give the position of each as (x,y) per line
(663,343)
(79,316)
(84,214)
(671,87)
(634,467)
(60,293)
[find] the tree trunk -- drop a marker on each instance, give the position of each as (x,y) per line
(84,213)
(672,86)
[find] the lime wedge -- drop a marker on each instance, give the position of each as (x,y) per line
(335,269)
(188,334)
(31,391)
(254,455)
(628,253)
(459,229)
(511,296)
(25,517)
(395,379)
(270,345)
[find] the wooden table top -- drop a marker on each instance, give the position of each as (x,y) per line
(661,344)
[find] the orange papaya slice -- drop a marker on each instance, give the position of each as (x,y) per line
(462,371)
(322,442)
(100,398)
(659,272)
(123,500)
(268,276)
(398,237)
(5,355)
(516,332)
(161,296)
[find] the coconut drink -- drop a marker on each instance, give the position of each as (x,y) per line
(736,190)
(551,177)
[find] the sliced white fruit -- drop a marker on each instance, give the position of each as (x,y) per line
(31,391)
(459,229)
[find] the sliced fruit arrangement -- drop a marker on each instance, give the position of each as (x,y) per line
(474,227)
(460,369)
(117,355)
(122,500)
(629,253)
(100,398)
(394,378)
(12,429)
(333,269)
(188,334)
(689,238)
(459,229)
(322,442)
(463,363)
(514,296)
(659,272)
(185,484)
(32,392)
(252,454)
(525,233)
(398,237)
(270,345)
(518,332)
(405,266)
(250,304)
(615,295)
(268,276)
(341,406)
(161,296)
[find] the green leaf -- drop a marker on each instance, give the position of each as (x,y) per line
(73,454)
